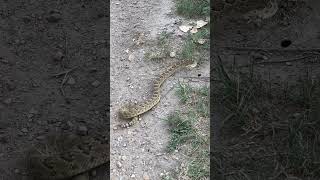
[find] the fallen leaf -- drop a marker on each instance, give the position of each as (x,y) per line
(194,30)
(131,57)
(172,54)
(201,41)
(185,28)
(201,23)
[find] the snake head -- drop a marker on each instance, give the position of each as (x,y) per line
(125,112)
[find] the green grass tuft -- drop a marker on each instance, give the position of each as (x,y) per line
(193,8)
(181,130)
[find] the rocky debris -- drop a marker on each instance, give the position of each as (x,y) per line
(119,165)
(82,130)
(8,101)
(58,56)
(95,83)
(173,54)
(54,16)
(71,81)
(146,177)
(24,130)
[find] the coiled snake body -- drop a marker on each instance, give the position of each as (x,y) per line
(132,111)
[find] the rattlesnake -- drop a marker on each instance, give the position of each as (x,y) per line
(132,111)
(63,156)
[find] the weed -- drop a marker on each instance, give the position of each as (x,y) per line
(183,92)
(181,130)
(193,8)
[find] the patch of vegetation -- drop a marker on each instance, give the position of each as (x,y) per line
(184,129)
(192,8)
(181,130)
(270,131)
(191,45)
(183,92)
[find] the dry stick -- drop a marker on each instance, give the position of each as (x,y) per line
(64,72)
(276,62)
(266,49)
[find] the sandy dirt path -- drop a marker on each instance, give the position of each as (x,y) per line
(139,152)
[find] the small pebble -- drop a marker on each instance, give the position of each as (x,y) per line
(54,17)
(123,158)
(24,130)
(96,83)
(119,165)
(82,130)
(40,137)
(172,54)
(71,81)
(8,101)
(58,56)
(146,177)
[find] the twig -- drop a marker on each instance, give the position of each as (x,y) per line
(64,80)
(266,49)
(64,72)
(277,62)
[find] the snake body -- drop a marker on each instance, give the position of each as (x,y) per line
(132,111)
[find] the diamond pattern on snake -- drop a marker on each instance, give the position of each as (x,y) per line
(132,111)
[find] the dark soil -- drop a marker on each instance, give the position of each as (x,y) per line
(266,110)
(38,40)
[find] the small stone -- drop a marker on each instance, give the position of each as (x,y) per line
(146,177)
(131,57)
(71,81)
(201,41)
(185,28)
(194,30)
(96,83)
(296,115)
(255,110)
(123,158)
(54,17)
(40,137)
(17,171)
(119,165)
(133,175)
(172,54)
(24,130)
(82,130)
(58,56)
(33,111)
(8,101)
(201,23)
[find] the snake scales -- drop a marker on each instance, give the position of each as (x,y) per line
(132,111)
